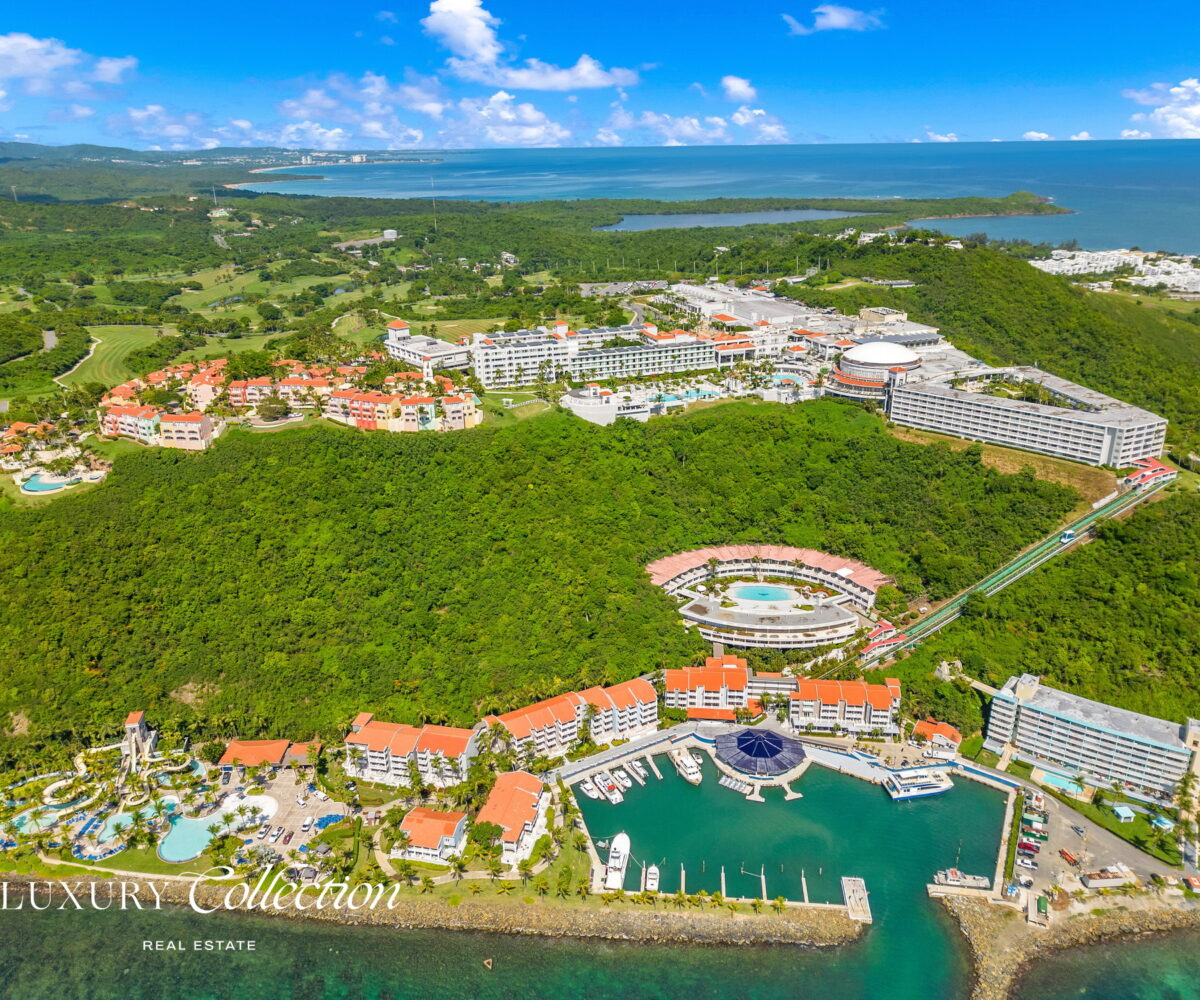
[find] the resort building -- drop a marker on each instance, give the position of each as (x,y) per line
(940,734)
(529,356)
(140,740)
(269,753)
(371,410)
(250,392)
(1072,737)
(138,423)
(431,835)
(553,727)
(190,431)
(715,691)
(1078,423)
(622,711)
(389,752)
(851,707)
(426,353)
(517,804)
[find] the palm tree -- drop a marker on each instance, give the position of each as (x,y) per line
(525,869)
(779,903)
(504,888)
(458,867)
(756,905)
(426,884)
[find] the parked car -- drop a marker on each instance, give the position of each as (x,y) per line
(1028,845)
(287,837)
(264,830)
(320,795)
(1079,830)
(225,776)
(278,833)
(1026,882)
(306,825)
(1026,863)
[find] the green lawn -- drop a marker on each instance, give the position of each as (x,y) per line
(220,347)
(146,859)
(107,362)
(1011,857)
(1139,832)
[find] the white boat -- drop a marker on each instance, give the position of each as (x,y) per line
(652,878)
(638,768)
(904,785)
(686,765)
(618,861)
(623,779)
(608,788)
(952,876)
(589,789)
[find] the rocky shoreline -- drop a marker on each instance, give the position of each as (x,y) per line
(1003,945)
(797,927)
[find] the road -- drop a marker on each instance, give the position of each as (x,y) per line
(1013,570)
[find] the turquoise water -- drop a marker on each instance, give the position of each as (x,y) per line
(700,220)
(842,826)
(1058,781)
(187,839)
(113,826)
(1164,968)
(49,816)
(1123,193)
(36,484)
(761,592)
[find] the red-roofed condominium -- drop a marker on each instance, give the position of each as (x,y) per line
(393,753)
(722,683)
(517,804)
(553,727)
(852,707)
(432,836)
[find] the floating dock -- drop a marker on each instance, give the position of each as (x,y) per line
(858,905)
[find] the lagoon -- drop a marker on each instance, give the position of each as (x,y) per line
(704,220)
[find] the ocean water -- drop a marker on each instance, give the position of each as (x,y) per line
(841,826)
(1163,968)
(1124,193)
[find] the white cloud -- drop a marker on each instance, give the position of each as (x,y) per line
(1134,133)
(71,113)
(110,70)
(468,30)
(1083,136)
(314,101)
(47,67)
(607,137)
(688,130)
(503,121)
(305,134)
(831,17)
(738,88)
(387,16)
(1176,109)
(933,136)
(1032,136)
(766,128)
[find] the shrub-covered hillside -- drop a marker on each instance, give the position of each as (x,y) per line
(282,582)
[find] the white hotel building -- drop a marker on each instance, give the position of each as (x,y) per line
(1073,736)
(1088,427)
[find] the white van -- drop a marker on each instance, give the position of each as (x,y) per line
(306,825)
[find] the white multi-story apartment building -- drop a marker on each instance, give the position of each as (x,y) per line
(386,751)
(715,691)
(189,431)
(431,835)
(527,356)
(846,706)
(517,804)
(1087,427)
(1077,737)
(422,351)
(552,727)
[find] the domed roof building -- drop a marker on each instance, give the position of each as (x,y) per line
(868,370)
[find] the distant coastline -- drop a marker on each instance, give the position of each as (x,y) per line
(322,177)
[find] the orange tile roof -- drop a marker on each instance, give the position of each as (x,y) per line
(930,728)
(133,718)
(251,753)
(449,741)
(712,714)
(878,696)
(711,679)
(182,418)
(523,721)
(426,827)
(396,738)
(512,803)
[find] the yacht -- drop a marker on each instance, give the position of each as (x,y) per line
(623,779)
(608,788)
(686,765)
(638,768)
(618,861)
(652,878)
(904,785)
(589,789)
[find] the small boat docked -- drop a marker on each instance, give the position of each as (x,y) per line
(623,779)
(589,789)
(956,878)
(904,785)
(638,768)
(652,878)
(618,861)
(608,788)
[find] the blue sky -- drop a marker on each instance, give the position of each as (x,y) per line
(402,74)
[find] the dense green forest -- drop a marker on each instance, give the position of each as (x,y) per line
(279,583)
(1117,620)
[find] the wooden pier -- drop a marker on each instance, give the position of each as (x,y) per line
(653,767)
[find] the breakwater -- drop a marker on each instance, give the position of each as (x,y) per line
(1003,945)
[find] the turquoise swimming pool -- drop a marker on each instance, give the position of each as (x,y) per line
(36,484)
(1058,781)
(188,836)
(760,592)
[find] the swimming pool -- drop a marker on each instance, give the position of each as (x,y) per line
(1058,781)
(189,836)
(760,592)
(49,816)
(36,484)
